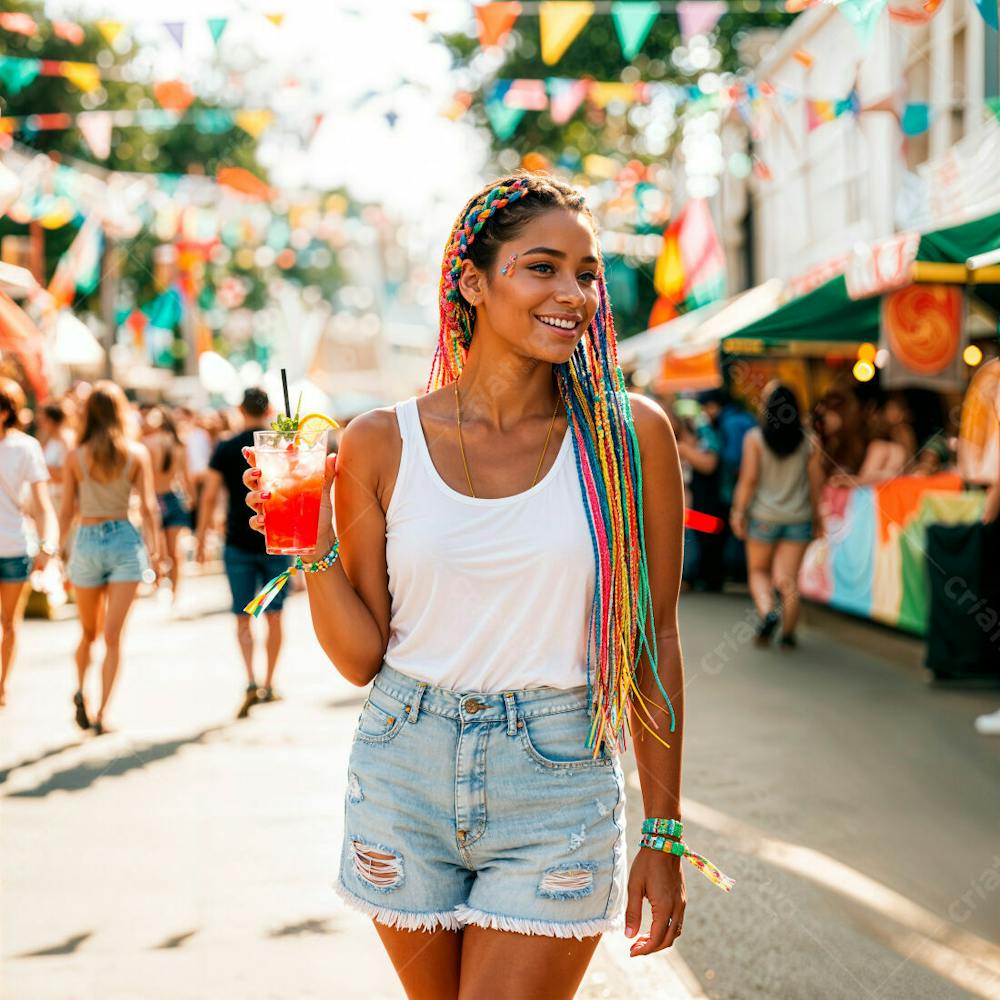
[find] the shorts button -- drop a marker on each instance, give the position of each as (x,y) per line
(474,705)
(461,835)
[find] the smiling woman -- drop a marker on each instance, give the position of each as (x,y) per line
(506,589)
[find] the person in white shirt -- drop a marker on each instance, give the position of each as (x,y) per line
(22,469)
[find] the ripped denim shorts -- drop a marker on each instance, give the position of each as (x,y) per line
(482,808)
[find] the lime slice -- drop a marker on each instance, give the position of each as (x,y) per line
(311,428)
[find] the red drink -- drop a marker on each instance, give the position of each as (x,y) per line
(293,472)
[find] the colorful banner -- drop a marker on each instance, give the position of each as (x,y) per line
(633,22)
(495,22)
(922,330)
(913,12)
(503,120)
(988,8)
(18,24)
(79,268)
(871,560)
(916,118)
(16,73)
(883,266)
(216,26)
(559,22)
(863,15)
(691,268)
(565,97)
(95,127)
(699,17)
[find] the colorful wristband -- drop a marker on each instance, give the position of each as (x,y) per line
(271,589)
(670,827)
(667,846)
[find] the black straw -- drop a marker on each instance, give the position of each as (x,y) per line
(284,386)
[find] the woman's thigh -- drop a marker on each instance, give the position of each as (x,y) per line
(427,962)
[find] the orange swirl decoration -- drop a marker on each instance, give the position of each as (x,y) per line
(922,325)
(913,12)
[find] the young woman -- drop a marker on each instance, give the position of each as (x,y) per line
(56,437)
(504,585)
(109,557)
(22,468)
(776,510)
(170,471)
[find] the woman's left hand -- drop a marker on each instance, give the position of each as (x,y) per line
(657,877)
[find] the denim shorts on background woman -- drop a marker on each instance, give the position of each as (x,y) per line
(486,809)
(15,569)
(109,552)
(773,531)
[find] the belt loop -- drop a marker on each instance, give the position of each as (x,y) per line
(413,709)
(511,705)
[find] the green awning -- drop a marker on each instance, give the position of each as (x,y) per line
(829,315)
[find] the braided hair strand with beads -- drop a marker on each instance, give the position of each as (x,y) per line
(605,447)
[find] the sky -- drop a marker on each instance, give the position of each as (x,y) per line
(355,61)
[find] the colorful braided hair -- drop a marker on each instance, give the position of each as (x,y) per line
(599,416)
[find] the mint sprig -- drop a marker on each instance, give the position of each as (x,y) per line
(284,424)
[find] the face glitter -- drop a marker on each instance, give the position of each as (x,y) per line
(508,268)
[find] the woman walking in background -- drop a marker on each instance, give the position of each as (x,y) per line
(170,471)
(109,556)
(776,511)
(21,465)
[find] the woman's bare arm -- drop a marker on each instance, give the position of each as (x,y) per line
(67,508)
(142,482)
(746,484)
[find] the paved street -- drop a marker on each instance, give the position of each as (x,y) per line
(189,855)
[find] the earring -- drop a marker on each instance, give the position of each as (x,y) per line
(508,268)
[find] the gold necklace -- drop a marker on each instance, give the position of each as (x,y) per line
(541,458)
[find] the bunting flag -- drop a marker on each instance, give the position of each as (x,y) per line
(253,122)
(18,24)
(559,22)
(565,96)
(988,8)
(85,76)
(110,30)
(913,12)
(503,120)
(173,95)
(916,118)
(699,17)
(691,268)
(95,127)
(79,268)
(803,58)
(820,112)
(245,182)
(275,19)
(602,94)
(16,74)
(528,95)
(216,26)
(495,22)
(633,22)
(176,31)
(864,15)
(68,31)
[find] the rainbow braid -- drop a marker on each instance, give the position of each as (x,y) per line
(609,470)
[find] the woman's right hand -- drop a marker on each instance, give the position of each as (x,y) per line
(256,500)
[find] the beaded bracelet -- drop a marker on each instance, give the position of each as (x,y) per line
(671,827)
(677,847)
(270,590)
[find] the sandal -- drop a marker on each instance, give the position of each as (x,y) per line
(249,700)
(81,711)
(766,627)
(100,728)
(788,641)
(268,694)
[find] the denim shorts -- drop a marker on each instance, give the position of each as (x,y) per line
(771,531)
(482,808)
(173,513)
(109,552)
(15,569)
(247,573)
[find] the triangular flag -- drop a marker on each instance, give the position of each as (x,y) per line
(176,31)
(864,15)
(916,118)
(16,74)
(216,26)
(699,17)
(503,120)
(495,21)
(565,96)
(86,76)
(988,8)
(528,95)
(254,122)
(275,19)
(560,22)
(420,15)
(68,31)
(632,22)
(173,95)
(243,181)
(110,30)
(602,94)
(95,127)
(803,58)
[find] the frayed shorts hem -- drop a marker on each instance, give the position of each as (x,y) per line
(462,916)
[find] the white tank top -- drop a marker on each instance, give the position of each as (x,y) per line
(487,595)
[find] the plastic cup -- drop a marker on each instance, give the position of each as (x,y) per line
(293,472)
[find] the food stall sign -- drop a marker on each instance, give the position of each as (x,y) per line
(735,345)
(880,267)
